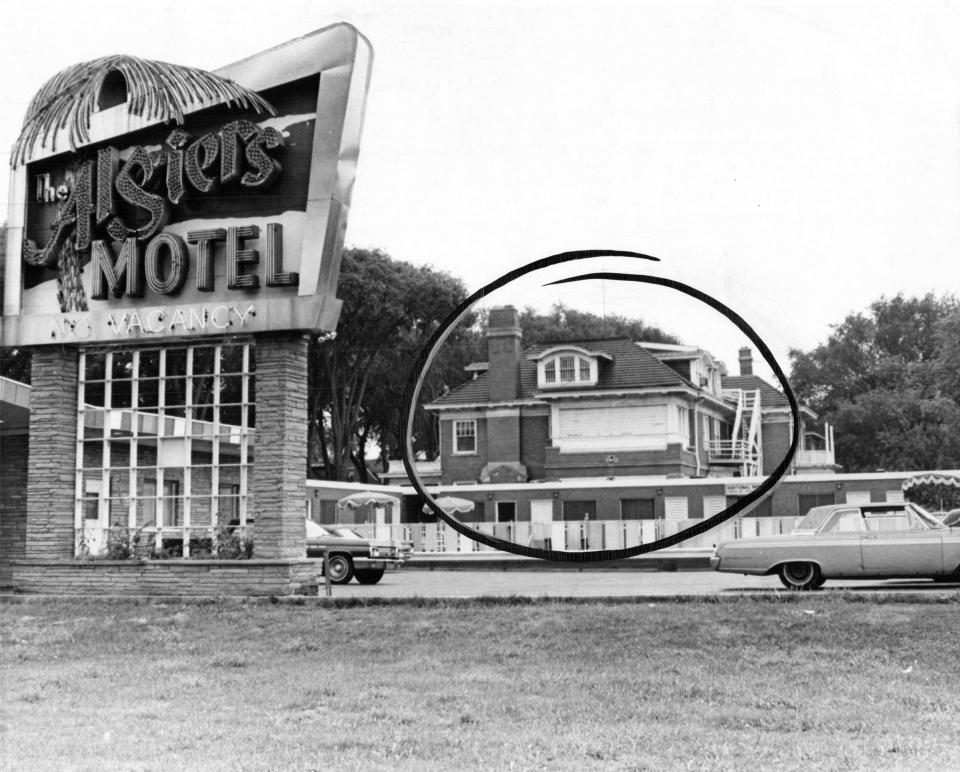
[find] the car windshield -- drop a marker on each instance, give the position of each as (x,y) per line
(814,519)
(346,533)
(316,531)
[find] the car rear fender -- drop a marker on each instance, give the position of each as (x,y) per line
(776,566)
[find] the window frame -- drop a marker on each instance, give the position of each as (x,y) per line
(457,437)
(150,448)
(516,511)
(584,369)
(590,505)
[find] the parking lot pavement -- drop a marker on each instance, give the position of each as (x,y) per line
(537,584)
(596,583)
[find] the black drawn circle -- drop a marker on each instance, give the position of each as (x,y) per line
(426,356)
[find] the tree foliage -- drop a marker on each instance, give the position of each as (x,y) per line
(563,323)
(357,379)
(888,382)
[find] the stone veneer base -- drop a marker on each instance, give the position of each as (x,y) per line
(166,577)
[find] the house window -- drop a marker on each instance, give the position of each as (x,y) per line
(807,501)
(686,424)
(564,369)
(763,509)
(506,511)
(637,509)
(580,510)
(464,437)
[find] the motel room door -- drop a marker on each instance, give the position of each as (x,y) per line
(541,518)
(381,529)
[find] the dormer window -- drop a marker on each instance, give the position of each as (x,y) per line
(568,366)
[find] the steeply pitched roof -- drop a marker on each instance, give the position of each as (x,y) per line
(632,367)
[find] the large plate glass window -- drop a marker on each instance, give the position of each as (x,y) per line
(164,447)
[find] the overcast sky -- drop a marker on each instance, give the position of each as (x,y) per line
(795,161)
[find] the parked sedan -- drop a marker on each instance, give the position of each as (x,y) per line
(843,541)
(350,554)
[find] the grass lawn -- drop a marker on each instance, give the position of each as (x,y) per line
(810,682)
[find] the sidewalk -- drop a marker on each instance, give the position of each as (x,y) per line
(669,559)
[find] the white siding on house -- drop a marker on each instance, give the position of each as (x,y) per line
(675,507)
(895,497)
(611,427)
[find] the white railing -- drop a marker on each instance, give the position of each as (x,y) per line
(814,458)
(576,535)
(728,450)
(569,535)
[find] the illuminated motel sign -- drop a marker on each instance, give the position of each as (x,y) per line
(152,201)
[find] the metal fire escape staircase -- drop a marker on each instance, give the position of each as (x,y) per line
(742,450)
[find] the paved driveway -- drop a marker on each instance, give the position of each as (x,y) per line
(595,583)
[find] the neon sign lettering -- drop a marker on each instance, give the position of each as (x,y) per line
(240,153)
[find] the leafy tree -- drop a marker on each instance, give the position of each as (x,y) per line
(887,381)
(390,308)
(893,347)
(563,323)
(946,368)
(897,429)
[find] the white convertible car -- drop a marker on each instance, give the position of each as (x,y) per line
(843,541)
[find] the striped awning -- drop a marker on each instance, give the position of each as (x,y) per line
(366,498)
(452,505)
(931,479)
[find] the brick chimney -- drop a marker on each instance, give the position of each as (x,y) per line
(503,353)
(746,361)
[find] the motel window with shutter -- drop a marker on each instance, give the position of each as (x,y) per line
(675,507)
(165,444)
(464,437)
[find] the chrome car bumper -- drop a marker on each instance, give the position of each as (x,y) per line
(376,563)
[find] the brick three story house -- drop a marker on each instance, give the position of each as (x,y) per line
(612,408)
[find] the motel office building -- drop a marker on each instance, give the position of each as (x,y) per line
(157,445)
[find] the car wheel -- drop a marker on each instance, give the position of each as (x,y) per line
(370,575)
(800,576)
(340,568)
